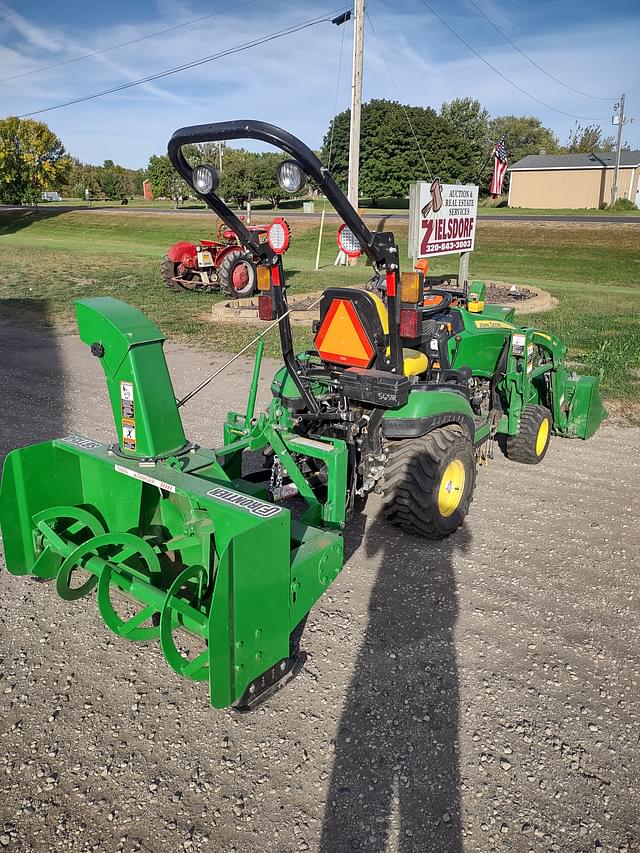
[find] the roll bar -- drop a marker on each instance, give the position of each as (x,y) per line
(375,245)
(379,246)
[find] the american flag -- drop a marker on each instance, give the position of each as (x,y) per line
(500,163)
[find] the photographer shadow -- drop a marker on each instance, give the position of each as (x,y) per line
(395,783)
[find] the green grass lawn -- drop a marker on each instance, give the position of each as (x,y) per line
(594,271)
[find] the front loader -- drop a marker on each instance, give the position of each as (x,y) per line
(405,389)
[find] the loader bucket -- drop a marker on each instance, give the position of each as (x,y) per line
(171,555)
(586,411)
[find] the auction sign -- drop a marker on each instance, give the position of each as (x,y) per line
(442,218)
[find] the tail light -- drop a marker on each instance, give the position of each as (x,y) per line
(409,323)
(265,307)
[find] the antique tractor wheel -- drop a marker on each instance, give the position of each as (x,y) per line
(237,274)
(171,270)
(429,482)
(531,442)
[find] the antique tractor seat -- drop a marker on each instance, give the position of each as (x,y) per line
(354,332)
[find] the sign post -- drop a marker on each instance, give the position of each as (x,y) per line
(442,221)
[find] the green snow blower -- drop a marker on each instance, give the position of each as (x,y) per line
(405,390)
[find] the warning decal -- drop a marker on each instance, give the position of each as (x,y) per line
(128,434)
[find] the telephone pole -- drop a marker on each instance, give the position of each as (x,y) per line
(356,108)
(620,117)
(356,103)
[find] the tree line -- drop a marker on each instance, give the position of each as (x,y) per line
(399,144)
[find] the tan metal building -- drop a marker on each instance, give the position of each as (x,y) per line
(573,180)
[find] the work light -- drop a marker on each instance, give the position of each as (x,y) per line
(279,235)
(348,242)
(291,177)
(205,179)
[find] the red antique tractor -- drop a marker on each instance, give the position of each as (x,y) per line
(211,265)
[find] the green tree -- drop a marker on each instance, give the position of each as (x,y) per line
(32,159)
(470,122)
(524,135)
(585,140)
(238,175)
(165,181)
(266,181)
(390,156)
(111,180)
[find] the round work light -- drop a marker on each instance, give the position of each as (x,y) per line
(348,242)
(279,235)
(205,179)
(291,177)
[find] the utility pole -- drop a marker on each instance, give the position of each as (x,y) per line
(356,108)
(620,122)
(356,103)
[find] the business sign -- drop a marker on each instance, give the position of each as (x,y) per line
(442,218)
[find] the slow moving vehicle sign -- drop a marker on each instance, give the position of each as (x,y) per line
(443,218)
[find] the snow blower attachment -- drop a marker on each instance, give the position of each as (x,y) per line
(219,560)
(170,527)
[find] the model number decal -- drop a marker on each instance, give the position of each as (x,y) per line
(246,502)
(82,441)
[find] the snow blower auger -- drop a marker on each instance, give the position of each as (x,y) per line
(405,389)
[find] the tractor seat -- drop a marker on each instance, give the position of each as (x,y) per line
(354,330)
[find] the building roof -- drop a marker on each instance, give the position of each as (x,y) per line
(597,160)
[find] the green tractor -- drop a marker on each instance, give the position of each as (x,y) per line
(407,387)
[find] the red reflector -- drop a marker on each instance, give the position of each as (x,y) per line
(409,323)
(265,307)
(391,283)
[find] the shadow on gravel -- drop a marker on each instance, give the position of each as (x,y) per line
(396,782)
(31,375)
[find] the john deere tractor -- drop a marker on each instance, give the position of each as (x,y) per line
(406,387)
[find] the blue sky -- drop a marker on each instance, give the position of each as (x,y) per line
(593,46)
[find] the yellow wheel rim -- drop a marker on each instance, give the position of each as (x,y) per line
(451,488)
(543,435)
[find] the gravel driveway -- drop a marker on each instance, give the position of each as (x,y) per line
(474,695)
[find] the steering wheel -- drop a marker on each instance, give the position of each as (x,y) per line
(436,301)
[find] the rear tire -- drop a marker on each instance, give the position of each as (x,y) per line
(169,271)
(531,442)
(429,482)
(230,274)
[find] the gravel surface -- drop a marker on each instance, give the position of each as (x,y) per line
(479,694)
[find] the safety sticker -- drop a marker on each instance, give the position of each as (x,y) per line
(82,441)
(128,434)
(145,478)
(492,324)
(246,502)
(126,391)
(517,344)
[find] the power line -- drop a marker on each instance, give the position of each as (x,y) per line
(204,60)
(504,76)
(406,114)
(532,61)
(124,43)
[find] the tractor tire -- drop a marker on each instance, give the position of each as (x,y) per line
(169,270)
(429,482)
(530,444)
(237,274)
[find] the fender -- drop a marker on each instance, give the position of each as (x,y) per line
(225,250)
(429,406)
(179,250)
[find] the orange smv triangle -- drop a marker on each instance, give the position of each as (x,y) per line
(342,338)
